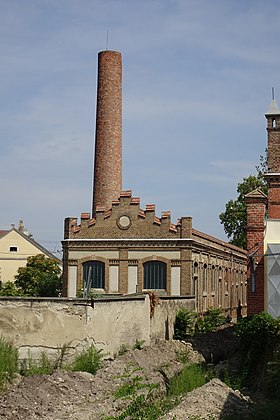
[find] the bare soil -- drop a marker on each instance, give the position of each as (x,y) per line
(79,395)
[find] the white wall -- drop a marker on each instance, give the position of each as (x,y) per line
(36,325)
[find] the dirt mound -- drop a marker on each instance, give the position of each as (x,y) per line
(78,395)
(69,395)
(213,400)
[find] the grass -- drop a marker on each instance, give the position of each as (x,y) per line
(146,406)
(191,377)
(88,361)
(8,362)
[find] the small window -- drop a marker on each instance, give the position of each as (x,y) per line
(13,248)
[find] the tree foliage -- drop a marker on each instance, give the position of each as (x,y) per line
(40,277)
(9,289)
(234,216)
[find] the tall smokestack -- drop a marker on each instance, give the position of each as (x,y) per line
(107,184)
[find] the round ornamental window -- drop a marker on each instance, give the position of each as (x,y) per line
(124,222)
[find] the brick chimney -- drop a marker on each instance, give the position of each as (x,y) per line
(107,183)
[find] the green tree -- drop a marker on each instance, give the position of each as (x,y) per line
(9,289)
(234,216)
(40,277)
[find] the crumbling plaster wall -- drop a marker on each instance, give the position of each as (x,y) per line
(35,325)
(162,321)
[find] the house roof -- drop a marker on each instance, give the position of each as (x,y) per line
(30,240)
(256,193)
(3,233)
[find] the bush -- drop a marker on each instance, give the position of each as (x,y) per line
(211,320)
(260,347)
(9,289)
(258,330)
(88,361)
(8,362)
(184,324)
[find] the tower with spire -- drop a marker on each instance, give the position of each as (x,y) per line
(273,160)
(263,228)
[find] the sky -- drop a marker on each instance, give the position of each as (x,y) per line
(197,78)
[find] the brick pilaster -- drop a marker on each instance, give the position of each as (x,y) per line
(123,273)
(186,272)
(256,208)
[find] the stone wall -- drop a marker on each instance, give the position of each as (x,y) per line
(41,324)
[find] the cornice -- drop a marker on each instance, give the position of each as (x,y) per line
(167,244)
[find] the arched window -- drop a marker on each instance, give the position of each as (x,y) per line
(154,275)
(213,286)
(195,276)
(204,279)
(94,274)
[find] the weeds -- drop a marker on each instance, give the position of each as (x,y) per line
(139,344)
(43,366)
(8,362)
(184,324)
(191,377)
(145,406)
(188,324)
(183,356)
(128,389)
(88,361)
(123,349)
(46,365)
(260,347)
(210,321)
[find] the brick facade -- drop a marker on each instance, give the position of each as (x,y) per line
(128,241)
(257,205)
(196,263)
(273,161)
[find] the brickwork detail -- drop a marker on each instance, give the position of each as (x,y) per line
(108,138)
(139,223)
(273,182)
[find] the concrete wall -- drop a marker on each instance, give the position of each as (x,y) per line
(41,324)
(162,322)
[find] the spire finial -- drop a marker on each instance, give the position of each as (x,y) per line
(107,39)
(273,93)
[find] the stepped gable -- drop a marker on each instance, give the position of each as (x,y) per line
(125,219)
